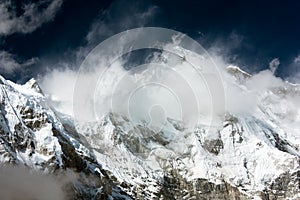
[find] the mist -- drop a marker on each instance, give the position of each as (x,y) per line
(19,182)
(167,85)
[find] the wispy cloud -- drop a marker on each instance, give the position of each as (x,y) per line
(32,17)
(117,19)
(9,63)
(297,59)
(226,45)
(273,65)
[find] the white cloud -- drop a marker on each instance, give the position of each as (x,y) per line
(189,89)
(179,85)
(59,86)
(9,64)
(273,65)
(32,17)
(118,19)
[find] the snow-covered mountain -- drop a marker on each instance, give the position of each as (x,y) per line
(31,134)
(253,156)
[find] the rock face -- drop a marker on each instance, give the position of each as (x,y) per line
(176,187)
(247,157)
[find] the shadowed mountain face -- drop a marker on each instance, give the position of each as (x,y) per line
(247,157)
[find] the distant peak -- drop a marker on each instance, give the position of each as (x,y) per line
(238,72)
(32,84)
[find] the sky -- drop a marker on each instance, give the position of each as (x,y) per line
(39,36)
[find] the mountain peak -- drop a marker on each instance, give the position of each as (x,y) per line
(237,72)
(32,84)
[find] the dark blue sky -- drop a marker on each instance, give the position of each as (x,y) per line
(247,33)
